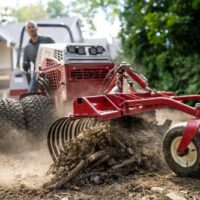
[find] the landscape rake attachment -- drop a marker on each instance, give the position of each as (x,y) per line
(113,103)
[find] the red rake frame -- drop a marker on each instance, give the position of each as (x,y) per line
(111,106)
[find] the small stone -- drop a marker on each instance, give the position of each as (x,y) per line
(65,198)
(112,162)
(145,198)
(96,179)
(122,150)
(130,195)
(75,187)
(184,192)
(175,196)
(60,177)
(158,190)
(130,151)
(61,170)
(145,152)
(66,168)
(138,159)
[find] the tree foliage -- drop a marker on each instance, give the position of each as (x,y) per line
(160,36)
(37,11)
(30,12)
(163,37)
(56,8)
(6,15)
(87,10)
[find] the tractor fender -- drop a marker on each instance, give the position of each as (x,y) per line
(191,130)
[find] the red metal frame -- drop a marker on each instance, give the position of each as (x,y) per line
(77,79)
(15,94)
(190,132)
(102,106)
(111,106)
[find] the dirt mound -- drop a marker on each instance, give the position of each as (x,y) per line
(105,153)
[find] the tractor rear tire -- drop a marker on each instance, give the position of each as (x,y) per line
(187,165)
(12,125)
(39,114)
(11,115)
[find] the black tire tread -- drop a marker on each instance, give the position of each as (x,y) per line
(12,125)
(38,112)
(11,115)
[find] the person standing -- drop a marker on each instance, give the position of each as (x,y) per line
(30,50)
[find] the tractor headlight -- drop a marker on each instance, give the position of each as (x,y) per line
(100,49)
(93,51)
(71,49)
(81,50)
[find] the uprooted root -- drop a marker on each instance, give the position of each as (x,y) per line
(105,153)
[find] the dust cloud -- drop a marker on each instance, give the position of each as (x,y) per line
(23,161)
(175,115)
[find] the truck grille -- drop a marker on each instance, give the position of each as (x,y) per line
(89,74)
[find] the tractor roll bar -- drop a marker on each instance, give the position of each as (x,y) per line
(40,25)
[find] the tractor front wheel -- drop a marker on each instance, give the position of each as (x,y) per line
(187,165)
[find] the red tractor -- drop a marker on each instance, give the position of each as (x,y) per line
(85,74)
(65,72)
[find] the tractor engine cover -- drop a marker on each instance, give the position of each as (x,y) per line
(74,70)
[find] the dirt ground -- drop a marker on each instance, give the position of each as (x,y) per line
(22,176)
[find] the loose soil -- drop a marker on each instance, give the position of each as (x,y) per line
(23,175)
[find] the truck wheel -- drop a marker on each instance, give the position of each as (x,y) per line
(12,124)
(187,165)
(38,113)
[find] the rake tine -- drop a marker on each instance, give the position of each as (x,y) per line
(52,139)
(63,130)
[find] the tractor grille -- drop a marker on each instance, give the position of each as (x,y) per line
(54,77)
(50,63)
(89,74)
